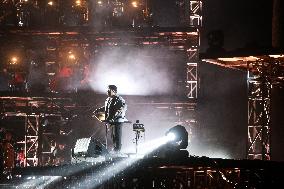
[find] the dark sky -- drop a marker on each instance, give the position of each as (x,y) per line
(244,22)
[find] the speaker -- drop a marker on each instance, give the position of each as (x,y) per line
(89,147)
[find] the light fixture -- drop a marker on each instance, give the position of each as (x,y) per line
(13,60)
(72,56)
(134,4)
(50,3)
(173,145)
(78,2)
(171,136)
(178,137)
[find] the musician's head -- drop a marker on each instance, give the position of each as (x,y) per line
(112,90)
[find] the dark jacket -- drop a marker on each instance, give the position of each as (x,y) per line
(115,109)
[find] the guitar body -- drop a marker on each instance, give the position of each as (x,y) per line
(100,116)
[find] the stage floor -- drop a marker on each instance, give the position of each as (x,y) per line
(151,172)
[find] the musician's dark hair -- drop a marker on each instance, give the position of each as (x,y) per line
(113,87)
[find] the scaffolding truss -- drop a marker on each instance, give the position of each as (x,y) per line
(192,74)
(34,110)
(190,12)
(262,75)
(186,39)
(32,140)
(191,15)
(195,17)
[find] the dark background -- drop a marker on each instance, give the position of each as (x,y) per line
(222,101)
(244,23)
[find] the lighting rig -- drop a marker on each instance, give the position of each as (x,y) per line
(52,42)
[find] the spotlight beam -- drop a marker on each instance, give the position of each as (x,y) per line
(114,168)
(66,171)
(104,170)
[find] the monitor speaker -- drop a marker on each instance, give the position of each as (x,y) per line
(89,147)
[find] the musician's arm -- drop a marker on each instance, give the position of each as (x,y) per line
(121,111)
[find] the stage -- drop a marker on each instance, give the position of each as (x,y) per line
(176,171)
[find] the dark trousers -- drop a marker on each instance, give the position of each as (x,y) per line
(116,133)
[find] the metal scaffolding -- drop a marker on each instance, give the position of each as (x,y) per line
(33,110)
(190,12)
(183,39)
(262,76)
(32,140)
(191,15)
(195,17)
(191,76)
(263,73)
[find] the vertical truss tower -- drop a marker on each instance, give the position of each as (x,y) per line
(263,73)
(191,15)
(262,76)
(33,142)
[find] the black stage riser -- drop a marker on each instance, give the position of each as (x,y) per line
(181,172)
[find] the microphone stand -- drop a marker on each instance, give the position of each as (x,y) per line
(106,131)
(106,125)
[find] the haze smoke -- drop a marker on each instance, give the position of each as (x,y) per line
(135,72)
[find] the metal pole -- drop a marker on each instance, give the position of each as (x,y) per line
(106,135)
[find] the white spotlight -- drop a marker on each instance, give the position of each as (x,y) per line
(171,136)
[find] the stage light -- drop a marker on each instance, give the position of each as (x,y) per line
(100,2)
(171,136)
(72,56)
(50,3)
(78,2)
(178,137)
(134,4)
(14,60)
